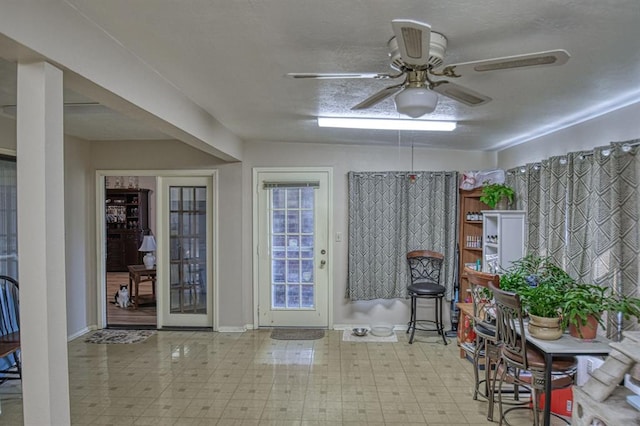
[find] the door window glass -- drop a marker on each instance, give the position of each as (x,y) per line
(292,248)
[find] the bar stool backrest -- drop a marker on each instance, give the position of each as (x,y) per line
(425,266)
(511,330)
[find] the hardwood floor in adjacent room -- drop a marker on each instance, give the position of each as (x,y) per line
(144,316)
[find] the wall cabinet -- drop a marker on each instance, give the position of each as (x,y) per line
(504,233)
(469,235)
(127,221)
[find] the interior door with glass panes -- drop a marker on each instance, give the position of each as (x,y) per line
(292,249)
(186,262)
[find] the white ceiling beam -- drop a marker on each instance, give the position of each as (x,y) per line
(57,32)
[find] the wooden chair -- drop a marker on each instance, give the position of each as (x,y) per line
(424,269)
(10,328)
(518,356)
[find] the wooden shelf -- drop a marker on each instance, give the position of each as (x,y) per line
(469,202)
(126,229)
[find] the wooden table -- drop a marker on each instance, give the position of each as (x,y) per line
(137,275)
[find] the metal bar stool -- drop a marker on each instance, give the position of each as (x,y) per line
(424,269)
(486,343)
(517,356)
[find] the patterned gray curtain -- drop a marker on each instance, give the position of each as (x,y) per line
(8,218)
(8,228)
(583,211)
(541,190)
(389,215)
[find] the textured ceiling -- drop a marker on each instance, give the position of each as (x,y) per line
(230,57)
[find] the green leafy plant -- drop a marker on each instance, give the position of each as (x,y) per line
(584,300)
(540,283)
(494,192)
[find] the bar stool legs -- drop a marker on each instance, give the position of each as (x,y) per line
(413,325)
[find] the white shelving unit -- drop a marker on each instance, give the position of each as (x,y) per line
(503,239)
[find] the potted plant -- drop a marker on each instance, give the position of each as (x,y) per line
(497,194)
(541,285)
(584,304)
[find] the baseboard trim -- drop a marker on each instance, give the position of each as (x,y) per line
(232,329)
(340,327)
(81,332)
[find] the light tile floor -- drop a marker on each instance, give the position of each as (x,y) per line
(204,378)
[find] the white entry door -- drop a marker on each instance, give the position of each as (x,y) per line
(185,260)
(293,253)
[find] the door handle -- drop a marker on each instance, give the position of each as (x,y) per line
(322,263)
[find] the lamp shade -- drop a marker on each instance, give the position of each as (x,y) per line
(416,101)
(148,243)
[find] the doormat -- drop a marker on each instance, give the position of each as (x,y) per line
(120,336)
(297,334)
(348,336)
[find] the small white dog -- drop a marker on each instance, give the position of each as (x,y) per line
(122,297)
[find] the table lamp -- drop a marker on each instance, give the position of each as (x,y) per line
(148,246)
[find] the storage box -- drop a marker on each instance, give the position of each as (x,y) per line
(631,384)
(561,401)
(586,365)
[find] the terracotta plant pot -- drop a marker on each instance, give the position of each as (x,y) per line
(545,328)
(587,331)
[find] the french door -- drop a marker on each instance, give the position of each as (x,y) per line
(293,253)
(185,272)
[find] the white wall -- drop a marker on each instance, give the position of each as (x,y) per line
(345,158)
(620,125)
(79,196)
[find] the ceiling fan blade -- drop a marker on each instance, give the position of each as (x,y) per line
(527,60)
(413,40)
(461,94)
(378,97)
(340,75)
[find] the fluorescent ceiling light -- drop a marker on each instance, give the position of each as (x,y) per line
(386,124)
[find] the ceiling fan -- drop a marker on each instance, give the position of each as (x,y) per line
(417,53)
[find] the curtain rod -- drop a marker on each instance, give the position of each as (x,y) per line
(626,147)
(416,173)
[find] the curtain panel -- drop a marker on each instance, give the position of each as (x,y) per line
(391,214)
(8,229)
(8,218)
(583,211)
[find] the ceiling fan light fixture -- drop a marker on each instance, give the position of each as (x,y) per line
(416,101)
(386,124)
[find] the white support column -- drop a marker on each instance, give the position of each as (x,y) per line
(41,245)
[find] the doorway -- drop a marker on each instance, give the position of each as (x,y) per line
(293,272)
(150,314)
(129,216)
